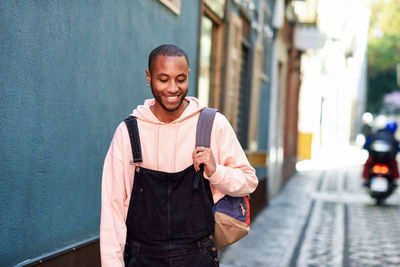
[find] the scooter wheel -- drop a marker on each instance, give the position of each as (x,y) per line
(379,201)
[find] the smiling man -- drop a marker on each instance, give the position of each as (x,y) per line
(150,215)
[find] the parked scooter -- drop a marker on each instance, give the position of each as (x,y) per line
(381,171)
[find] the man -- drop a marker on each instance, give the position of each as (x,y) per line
(389,158)
(144,220)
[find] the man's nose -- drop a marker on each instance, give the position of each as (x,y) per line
(173,87)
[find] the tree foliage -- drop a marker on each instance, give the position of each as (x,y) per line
(383,50)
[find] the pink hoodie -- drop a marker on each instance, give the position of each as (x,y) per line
(166,147)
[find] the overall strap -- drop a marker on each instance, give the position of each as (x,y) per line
(203,137)
(131,124)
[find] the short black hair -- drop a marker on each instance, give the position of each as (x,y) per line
(166,50)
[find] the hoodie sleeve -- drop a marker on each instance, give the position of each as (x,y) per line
(113,197)
(234,175)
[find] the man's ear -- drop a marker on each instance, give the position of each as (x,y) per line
(189,72)
(148,76)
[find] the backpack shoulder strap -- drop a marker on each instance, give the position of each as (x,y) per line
(131,124)
(204,127)
(203,138)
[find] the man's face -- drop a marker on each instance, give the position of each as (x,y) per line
(169,81)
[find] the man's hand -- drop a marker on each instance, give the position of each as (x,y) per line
(203,155)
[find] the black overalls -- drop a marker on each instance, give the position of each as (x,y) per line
(169,222)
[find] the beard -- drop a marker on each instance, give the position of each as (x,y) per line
(157,97)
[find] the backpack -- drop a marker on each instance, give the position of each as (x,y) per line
(231,214)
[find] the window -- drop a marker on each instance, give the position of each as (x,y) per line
(260,70)
(232,77)
(174,5)
(204,82)
(243,115)
(210,58)
(217,6)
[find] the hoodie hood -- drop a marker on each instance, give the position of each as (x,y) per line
(144,113)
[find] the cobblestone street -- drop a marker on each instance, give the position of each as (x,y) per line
(322,217)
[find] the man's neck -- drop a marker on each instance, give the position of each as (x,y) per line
(168,116)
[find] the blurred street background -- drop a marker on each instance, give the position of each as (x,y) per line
(304,84)
(323,217)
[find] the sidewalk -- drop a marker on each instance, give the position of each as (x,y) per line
(276,229)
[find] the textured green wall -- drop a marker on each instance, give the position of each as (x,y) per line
(70,71)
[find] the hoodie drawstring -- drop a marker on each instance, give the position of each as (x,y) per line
(156,146)
(176,141)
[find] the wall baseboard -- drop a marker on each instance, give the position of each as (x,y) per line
(81,254)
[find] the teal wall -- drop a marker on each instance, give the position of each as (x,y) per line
(70,71)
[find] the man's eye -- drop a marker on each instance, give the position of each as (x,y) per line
(181,80)
(163,80)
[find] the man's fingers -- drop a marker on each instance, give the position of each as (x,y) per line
(198,159)
(197,152)
(202,155)
(199,149)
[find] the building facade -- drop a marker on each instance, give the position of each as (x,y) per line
(72,72)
